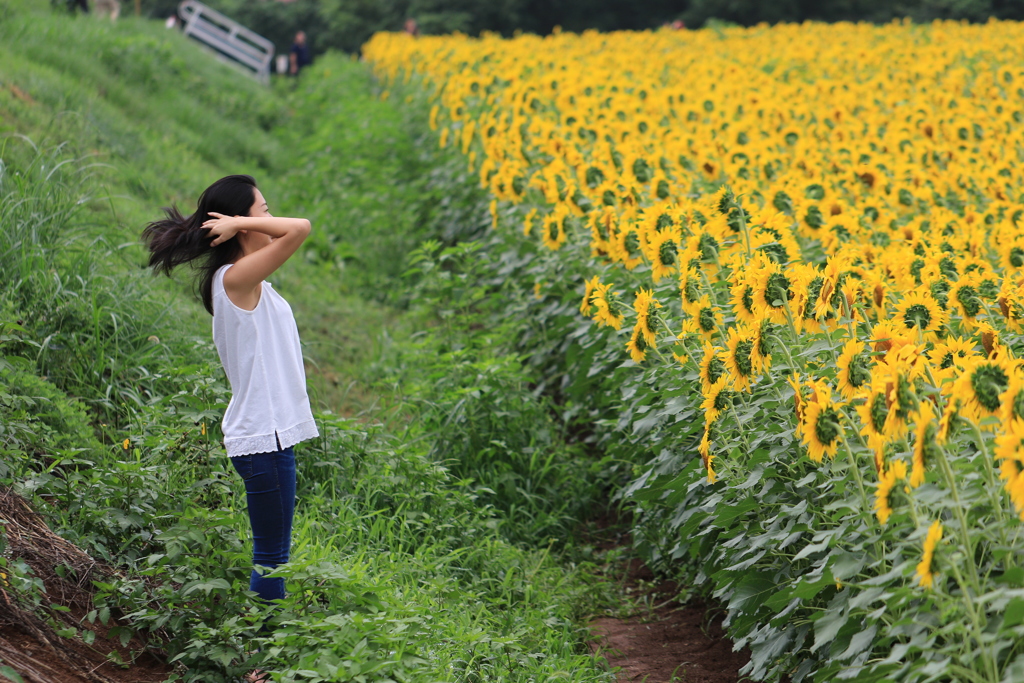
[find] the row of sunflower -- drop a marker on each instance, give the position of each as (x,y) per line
(830,213)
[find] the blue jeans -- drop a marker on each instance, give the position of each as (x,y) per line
(270,496)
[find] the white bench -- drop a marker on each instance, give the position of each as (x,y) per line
(227,38)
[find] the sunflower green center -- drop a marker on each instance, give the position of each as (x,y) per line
(879,411)
(905,397)
(632,243)
(929,448)
(706,319)
(969,300)
(716,368)
(776,290)
(826,427)
(940,292)
(690,290)
(613,305)
(742,357)
(859,371)
(708,247)
(667,253)
(814,217)
(723,400)
(915,269)
(813,292)
(988,382)
(1017,257)
(1018,405)
(917,315)
(764,344)
(553,230)
(748,299)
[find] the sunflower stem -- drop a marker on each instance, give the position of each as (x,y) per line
(746,229)
(958,512)
(993,487)
(976,626)
(855,468)
(792,364)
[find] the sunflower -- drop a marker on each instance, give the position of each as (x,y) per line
(712,368)
(950,419)
(896,471)
(821,428)
(947,357)
(925,445)
(705,453)
(716,399)
(762,352)
(854,369)
(662,251)
(924,568)
(706,321)
(1011,305)
(807,282)
(964,297)
(528,222)
(990,340)
(602,230)
(554,231)
(589,286)
(981,386)
(772,291)
(919,309)
(742,292)
(1011,402)
(874,416)
(877,287)
(625,247)
(798,399)
(637,346)
(690,288)
(1011,255)
(887,336)
(1009,454)
(608,309)
(643,336)
(739,357)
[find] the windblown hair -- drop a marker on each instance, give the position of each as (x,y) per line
(177,240)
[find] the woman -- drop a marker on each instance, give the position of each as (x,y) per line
(233,243)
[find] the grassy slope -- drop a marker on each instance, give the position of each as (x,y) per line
(390,549)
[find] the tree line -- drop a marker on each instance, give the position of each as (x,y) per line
(347,24)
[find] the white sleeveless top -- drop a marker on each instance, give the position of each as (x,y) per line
(261,355)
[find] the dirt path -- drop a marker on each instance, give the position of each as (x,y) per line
(664,640)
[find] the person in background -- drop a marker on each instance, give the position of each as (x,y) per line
(108,8)
(300,56)
(412,28)
(74,5)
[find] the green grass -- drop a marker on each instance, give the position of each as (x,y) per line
(437,512)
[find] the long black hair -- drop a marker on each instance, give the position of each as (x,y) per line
(176,239)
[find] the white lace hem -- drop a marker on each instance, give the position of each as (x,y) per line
(267,443)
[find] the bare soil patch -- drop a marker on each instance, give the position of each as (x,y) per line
(29,644)
(667,640)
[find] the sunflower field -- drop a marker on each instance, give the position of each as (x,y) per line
(796,265)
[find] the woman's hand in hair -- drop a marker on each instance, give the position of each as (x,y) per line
(221,228)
